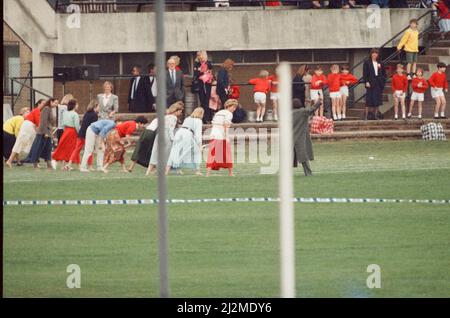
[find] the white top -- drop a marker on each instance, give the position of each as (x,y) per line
(106,99)
(170,125)
(61,110)
(221,118)
(153,125)
(195,125)
(375,66)
(154,87)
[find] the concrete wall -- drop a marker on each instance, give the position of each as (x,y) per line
(34,22)
(231,30)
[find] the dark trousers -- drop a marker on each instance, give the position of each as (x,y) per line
(306,167)
(8,144)
(222,95)
(59,133)
(41,148)
(204,94)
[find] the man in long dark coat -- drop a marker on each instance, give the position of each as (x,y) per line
(303,151)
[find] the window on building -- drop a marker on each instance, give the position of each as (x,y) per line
(217,57)
(296,55)
(109,63)
(141,59)
(69,59)
(330,56)
(11,66)
(262,56)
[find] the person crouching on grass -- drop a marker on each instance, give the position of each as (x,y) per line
(439,85)
(346,79)
(419,86)
(11,129)
(219,154)
(95,142)
(399,89)
(89,117)
(334,86)
(261,89)
(68,141)
(42,145)
(318,81)
(303,151)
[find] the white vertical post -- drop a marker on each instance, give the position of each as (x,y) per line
(286,191)
(162,180)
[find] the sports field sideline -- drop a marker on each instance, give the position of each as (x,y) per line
(231,249)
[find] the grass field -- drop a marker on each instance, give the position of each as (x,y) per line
(232,249)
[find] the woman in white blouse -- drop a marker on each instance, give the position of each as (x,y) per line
(171,120)
(109,103)
(219,154)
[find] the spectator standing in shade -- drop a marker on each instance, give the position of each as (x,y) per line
(298,85)
(174,83)
(374,77)
(152,84)
(108,102)
(139,98)
(203,79)
(223,83)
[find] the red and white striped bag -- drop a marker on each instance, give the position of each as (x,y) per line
(321,125)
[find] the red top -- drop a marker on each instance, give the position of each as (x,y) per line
(399,83)
(415,83)
(261,84)
(34,116)
(334,82)
(273,87)
(438,80)
(443,11)
(235,92)
(126,128)
(177,68)
(316,78)
(273,3)
(350,78)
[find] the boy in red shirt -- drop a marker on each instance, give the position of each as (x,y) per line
(439,85)
(419,86)
(334,86)
(260,89)
(399,89)
(318,81)
(346,79)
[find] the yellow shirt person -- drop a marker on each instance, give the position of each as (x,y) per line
(410,41)
(12,125)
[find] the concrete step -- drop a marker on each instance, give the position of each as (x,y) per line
(430,59)
(443,43)
(439,51)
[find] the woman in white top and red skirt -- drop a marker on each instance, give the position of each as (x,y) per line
(219,154)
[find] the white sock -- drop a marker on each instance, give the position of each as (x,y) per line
(409,114)
(343,116)
(442,114)
(420,116)
(334,116)
(395,116)
(436,114)
(403,116)
(339,116)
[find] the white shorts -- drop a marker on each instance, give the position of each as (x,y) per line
(335,94)
(274,95)
(259,97)
(418,96)
(315,94)
(436,92)
(399,94)
(344,90)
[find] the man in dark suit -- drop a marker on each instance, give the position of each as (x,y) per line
(152,83)
(174,83)
(139,96)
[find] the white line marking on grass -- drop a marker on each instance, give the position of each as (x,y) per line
(215,200)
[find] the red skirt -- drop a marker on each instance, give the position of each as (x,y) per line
(219,155)
(75,156)
(66,145)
